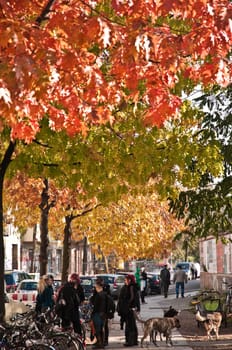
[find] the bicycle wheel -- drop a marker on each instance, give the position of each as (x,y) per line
(41,347)
(63,342)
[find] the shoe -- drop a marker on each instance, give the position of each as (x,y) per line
(182,296)
(177,296)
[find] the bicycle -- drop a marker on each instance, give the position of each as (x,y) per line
(15,337)
(208,302)
(49,328)
(42,330)
(227,302)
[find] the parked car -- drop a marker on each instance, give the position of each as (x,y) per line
(153,285)
(12,279)
(26,292)
(114,281)
(88,283)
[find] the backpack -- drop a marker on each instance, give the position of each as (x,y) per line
(110,307)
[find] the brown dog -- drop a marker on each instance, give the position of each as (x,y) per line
(211,322)
(158,325)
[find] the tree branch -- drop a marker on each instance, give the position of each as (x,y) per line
(42,17)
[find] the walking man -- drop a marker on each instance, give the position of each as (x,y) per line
(165,280)
(180,278)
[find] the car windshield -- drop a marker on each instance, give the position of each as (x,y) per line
(87,282)
(107,279)
(28,286)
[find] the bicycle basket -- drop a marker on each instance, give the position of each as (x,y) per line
(211,305)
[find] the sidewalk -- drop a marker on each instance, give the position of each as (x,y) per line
(154,307)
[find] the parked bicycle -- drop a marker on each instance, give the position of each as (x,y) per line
(16,337)
(32,331)
(209,301)
(227,302)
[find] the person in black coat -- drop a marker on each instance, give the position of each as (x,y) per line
(72,293)
(165,280)
(129,299)
(99,302)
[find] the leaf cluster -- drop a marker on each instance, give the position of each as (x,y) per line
(208,208)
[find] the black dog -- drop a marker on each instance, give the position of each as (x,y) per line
(171,312)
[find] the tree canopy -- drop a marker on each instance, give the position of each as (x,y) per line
(77,61)
(68,65)
(135,227)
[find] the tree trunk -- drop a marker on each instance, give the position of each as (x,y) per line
(32,267)
(186,251)
(44,241)
(66,247)
(84,267)
(3,168)
(106,263)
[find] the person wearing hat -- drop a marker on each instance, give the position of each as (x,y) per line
(72,295)
(165,280)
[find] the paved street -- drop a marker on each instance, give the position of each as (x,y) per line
(154,307)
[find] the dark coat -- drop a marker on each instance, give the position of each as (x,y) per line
(99,300)
(72,300)
(45,299)
(128,299)
(165,276)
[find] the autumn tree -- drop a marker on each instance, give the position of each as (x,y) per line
(75,62)
(134,227)
(71,205)
(108,162)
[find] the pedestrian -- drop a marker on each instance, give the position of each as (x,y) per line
(71,294)
(106,288)
(99,302)
(192,271)
(165,280)
(78,287)
(180,278)
(122,305)
(138,276)
(143,284)
(131,301)
(45,295)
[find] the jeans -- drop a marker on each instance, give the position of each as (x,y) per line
(178,286)
(98,323)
